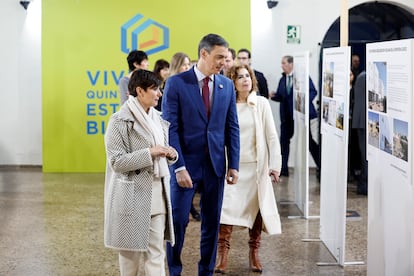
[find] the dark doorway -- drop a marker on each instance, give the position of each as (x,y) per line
(371,22)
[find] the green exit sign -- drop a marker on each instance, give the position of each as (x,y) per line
(293,34)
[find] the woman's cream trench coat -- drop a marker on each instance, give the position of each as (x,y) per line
(128,184)
(268,157)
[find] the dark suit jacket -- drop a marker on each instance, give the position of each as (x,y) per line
(285,99)
(192,133)
(360,102)
(312,94)
(262,84)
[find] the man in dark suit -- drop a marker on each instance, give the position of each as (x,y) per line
(200,104)
(284,95)
(359,123)
(244,57)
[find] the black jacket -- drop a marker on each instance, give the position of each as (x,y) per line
(261,84)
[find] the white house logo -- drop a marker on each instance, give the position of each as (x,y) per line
(143,34)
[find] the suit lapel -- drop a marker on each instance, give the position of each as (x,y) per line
(217,96)
(195,96)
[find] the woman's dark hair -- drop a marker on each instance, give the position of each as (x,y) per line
(159,65)
(144,79)
(135,56)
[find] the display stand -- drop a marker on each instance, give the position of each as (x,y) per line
(390,158)
(334,152)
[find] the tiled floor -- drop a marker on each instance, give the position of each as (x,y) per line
(52,224)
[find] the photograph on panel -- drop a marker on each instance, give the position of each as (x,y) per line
(332,113)
(386,133)
(377,86)
(300,102)
(328,79)
(325,110)
(340,116)
(400,140)
(373,129)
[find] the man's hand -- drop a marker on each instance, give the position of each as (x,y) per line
(232,176)
(184,179)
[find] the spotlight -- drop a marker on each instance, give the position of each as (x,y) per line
(25,4)
(271,4)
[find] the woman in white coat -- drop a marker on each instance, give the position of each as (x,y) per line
(137,193)
(251,202)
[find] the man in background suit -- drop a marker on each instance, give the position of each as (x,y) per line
(284,95)
(200,104)
(244,57)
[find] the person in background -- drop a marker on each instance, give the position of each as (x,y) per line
(355,66)
(138,213)
(284,95)
(230,61)
(200,104)
(180,62)
(354,164)
(359,124)
(314,133)
(260,162)
(244,57)
(162,71)
(136,60)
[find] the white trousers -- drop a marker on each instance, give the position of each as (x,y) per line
(152,261)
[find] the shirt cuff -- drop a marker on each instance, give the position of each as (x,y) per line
(179,169)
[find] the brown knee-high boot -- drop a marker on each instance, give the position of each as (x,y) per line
(254,244)
(223,247)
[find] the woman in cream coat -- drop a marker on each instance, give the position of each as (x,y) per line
(251,202)
(137,194)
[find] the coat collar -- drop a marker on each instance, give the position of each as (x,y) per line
(125,114)
(252,99)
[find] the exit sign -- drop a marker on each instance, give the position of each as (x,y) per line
(293,34)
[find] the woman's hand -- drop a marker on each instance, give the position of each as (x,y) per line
(172,154)
(159,151)
(162,151)
(274,175)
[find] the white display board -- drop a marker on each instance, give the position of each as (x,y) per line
(334,152)
(301,116)
(390,158)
